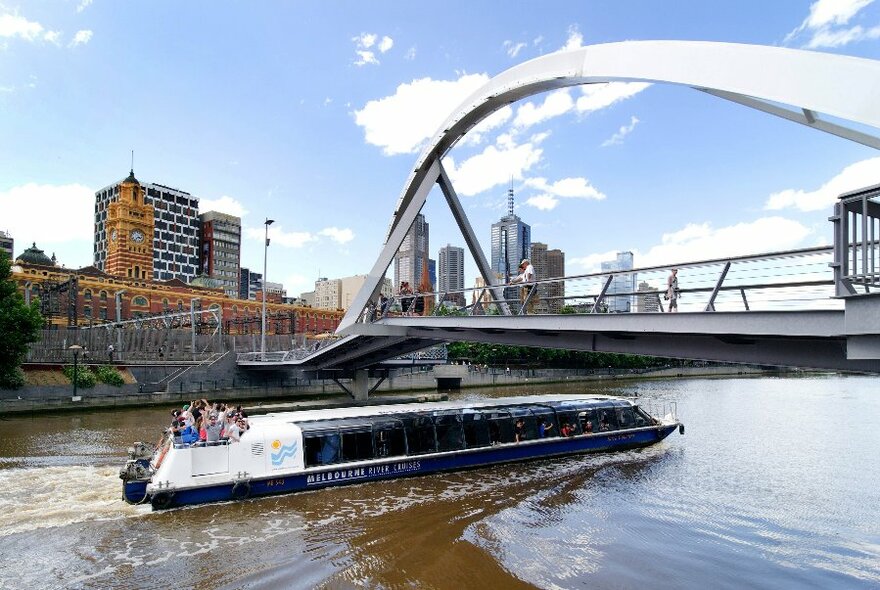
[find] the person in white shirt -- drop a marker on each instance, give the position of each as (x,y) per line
(526,275)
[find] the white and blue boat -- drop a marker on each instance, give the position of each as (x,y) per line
(294,451)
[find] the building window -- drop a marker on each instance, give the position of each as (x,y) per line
(87,311)
(103,295)
(87,295)
(103,313)
(140,300)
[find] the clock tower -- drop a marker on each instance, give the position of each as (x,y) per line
(130,233)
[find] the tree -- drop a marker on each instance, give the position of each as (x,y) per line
(19,326)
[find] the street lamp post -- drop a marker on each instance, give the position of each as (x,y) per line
(75,348)
(267,223)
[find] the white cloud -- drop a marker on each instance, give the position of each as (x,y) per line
(53,37)
(279,237)
(839,37)
(624,130)
(83,5)
(557,103)
(512,48)
(402,122)
(385,44)
(495,165)
(12,25)
(543,202)
(578,188)
(824,18)
(854,176)
(70,227)
(703,242)
(600,96)
(297,284)
(575,40)
(224,204)
(363,44)
(537,40)
(340,236)
(81,38)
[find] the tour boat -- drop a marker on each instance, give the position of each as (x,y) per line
(293,451)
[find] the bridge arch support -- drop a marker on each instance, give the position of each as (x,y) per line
(760,77)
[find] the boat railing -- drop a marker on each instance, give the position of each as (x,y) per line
(201,444)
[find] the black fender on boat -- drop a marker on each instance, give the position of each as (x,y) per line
(162,500)
(241,490)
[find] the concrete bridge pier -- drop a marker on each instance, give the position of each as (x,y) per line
(360,385)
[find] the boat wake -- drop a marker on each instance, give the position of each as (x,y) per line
(48,497)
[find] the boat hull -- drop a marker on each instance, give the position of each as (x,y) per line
(406,466)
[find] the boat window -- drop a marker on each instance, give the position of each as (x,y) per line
(588,421)
(642,417)
(357,445)
(500,426)
(530,426)
(625,418)
(476,430)
(450,435)
(322,449)
(545,422)
(607,419)
(570,418)
(420,436)
(389,439)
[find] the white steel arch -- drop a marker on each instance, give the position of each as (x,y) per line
(757,76)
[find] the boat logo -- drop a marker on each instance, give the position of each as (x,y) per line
(281,453)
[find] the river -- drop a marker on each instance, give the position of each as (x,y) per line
(775,484)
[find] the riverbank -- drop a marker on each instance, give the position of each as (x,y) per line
(59,398)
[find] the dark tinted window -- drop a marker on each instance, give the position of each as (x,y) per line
(476,430)
(420,434)
(450,435)
(322,449)
(357,446)
(389,439)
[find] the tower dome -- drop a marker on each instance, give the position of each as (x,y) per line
(34,255)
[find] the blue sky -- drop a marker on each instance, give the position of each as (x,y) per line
(313,114)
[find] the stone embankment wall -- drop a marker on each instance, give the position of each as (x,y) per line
(173,384)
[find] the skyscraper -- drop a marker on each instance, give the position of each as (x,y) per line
(7,244)
(556,289)
(451,275)
(511,242)
(220,245)
(174,240)
(249,284)
(621,283)
(412,256)
(549,264)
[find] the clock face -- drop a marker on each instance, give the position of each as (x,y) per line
(137,236)
(113,235)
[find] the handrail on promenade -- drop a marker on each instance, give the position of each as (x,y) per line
(810,276)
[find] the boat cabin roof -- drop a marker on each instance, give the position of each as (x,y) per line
(348,416)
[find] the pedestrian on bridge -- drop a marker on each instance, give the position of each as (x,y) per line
(672,290)
(526,275)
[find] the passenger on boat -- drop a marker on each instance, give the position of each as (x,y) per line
(519,430)
(544,428)
(214,428)
(603,422)
(588,427)
(566,429)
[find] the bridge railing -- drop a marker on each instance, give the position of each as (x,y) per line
(786,280)
(857,242)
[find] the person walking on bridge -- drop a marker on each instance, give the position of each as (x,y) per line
(526,275)
(672,290)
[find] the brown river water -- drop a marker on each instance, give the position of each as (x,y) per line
(775,484)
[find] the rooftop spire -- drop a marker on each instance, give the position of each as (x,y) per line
(510,198)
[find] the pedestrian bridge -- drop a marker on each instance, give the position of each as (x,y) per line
(815,308)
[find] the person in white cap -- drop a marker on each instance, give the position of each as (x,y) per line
(526,275)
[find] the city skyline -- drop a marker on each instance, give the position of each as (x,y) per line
(355,93)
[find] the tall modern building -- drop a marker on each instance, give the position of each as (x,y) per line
(249,284)
(556,289)
(451,274)
(7,244)
(412,256)
(649,301)
(511,242)
(220,245)
(621,283)
(174,239)
(549,264)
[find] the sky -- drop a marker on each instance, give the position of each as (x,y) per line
(314,113)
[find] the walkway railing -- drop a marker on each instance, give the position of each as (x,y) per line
(776,281)
(857,242)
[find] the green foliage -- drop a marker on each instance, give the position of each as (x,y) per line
(523,356)
(19,326)
(84,376)
(109,375)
